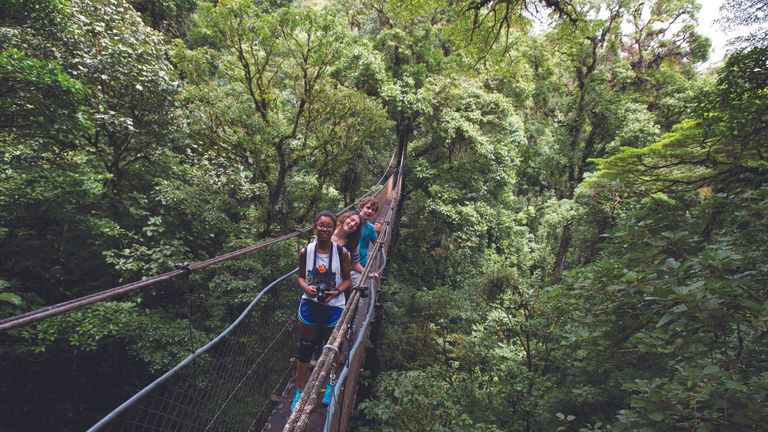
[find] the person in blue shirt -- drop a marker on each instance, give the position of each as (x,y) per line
(369,232)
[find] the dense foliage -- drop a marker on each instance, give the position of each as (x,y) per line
(583,237)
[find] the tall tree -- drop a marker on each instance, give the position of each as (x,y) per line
(587,47)
(262,87)
(131,105)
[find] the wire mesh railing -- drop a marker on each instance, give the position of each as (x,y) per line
(225,385)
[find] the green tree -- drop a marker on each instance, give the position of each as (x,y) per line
(675,296)
(171,17)
(722,142)
(270,104)
(131,106)
(586,46)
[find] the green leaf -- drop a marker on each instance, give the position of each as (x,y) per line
(665,319)
(11,298)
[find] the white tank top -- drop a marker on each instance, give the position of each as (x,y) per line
(320,270)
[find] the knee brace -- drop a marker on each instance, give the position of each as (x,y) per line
(306,348)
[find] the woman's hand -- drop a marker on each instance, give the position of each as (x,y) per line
(373,275)
(310,290)
(331,294)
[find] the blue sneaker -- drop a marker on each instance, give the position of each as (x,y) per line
(328,394)
(295,399)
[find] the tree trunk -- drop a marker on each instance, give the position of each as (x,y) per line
(562,251)
(277,192)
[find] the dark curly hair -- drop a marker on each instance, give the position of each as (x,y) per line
(326,213)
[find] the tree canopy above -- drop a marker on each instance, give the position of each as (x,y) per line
(582,241)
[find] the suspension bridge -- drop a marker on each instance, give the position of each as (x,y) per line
(243,379)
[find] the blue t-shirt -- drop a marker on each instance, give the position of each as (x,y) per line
(367,235)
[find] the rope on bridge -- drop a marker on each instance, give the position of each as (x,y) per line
(60,308)
(352,362)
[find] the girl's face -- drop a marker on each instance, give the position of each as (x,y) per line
(324,228)
(350,225)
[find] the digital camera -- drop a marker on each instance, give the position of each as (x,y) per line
(322,290)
